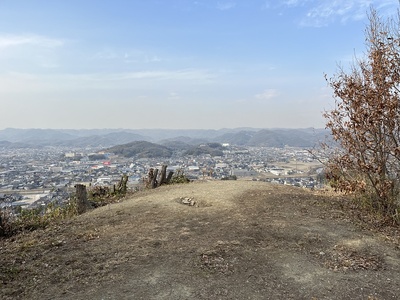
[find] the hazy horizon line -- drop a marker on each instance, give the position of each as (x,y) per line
(121,128)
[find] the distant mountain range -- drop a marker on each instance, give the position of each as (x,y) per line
(104,138)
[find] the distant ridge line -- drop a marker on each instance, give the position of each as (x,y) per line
(275,137)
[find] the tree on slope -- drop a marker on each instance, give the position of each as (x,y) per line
(366,121)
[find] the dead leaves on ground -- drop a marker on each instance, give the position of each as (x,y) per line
(342,258)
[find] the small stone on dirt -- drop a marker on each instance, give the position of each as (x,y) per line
(188,201)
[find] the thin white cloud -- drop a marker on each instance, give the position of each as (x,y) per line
(295,2)
(342,10)
(132,56)
(185,74)
(266,5)
(24,52)
(321,12)
(267,94)
(226,5)
(153,59)
(107,54)
(7,41)
(173,96)
(12,82)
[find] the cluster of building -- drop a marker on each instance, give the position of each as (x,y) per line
(39,176)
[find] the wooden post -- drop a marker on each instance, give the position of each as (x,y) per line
(81,198)
(154,179)
(1,225)
(169,177)
(125,180)
(122,184)
(150,177)
(163,175)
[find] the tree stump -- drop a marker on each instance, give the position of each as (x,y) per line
(150,177)
(1,225)
(81,198)
(169,177)
(154,179)
(163,175)
(123,184)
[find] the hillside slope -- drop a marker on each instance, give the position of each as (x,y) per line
(241,240)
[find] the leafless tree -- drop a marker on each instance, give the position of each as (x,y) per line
(366,120)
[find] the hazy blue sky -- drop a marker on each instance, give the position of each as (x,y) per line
(174,63)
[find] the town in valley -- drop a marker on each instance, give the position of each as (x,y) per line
(32,177)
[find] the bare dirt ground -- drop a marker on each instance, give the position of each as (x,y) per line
(240,240)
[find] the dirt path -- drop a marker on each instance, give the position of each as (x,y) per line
(241,240)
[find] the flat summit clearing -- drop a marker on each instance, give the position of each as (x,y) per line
(206,240)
